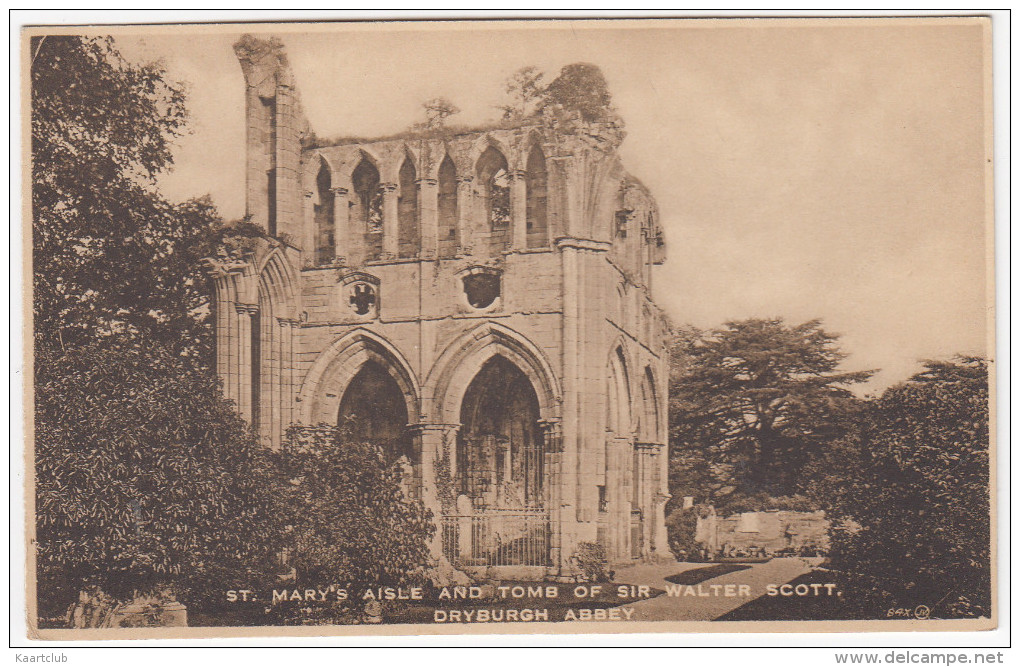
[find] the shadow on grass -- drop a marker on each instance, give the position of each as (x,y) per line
(698,575)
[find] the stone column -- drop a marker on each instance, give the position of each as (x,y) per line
(648,495)
(341,225)
(519,209)
(244,380)
(465,204)
(428,205)
(560,546)
(391,223)
(436,445)
(285,380)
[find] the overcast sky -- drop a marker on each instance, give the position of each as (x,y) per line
(802,170)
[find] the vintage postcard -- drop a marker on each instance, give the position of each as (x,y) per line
(551,326)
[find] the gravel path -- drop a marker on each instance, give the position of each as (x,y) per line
(707,600)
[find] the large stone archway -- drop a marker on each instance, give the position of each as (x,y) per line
(496,440)
(334,370)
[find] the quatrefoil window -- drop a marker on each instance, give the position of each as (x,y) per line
(362,298)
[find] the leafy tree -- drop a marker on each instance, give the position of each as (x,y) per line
(348,512)
(524,92)
(437,110)
(146,481)
(580,87)
(750,404)
(910,489)
(110,255)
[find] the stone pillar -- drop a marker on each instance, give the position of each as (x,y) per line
(341,225)
(465,203)
(651,500)
(244,314)
(284,397)
(559,549)
(232,351)
(221,328)
(391,222)
(436,445)
(428,205)
(519,209)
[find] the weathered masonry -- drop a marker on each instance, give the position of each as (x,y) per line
(478,303)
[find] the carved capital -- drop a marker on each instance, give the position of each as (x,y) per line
(246,308)
(388,187)
(422,182)
(339,192)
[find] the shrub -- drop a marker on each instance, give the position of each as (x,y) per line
(592,562)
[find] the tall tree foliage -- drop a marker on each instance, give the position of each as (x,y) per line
(581,87)
(750,404)
(910,491)
(146,480)
(110,255)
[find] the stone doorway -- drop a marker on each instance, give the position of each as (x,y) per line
(500,449)
(500,517)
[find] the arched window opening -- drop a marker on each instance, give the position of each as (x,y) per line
(619,396)
(407,211)
(374,409)
(367,207)
(494,181)
(537,184)
(325,224)
(448,210)
(501,449)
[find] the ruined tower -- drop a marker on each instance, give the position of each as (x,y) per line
(478,303)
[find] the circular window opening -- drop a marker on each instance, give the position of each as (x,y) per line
(481,289)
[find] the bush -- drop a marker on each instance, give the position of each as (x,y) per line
(592,561)
(909,495)
(348,519)
(146,481)
(680,528)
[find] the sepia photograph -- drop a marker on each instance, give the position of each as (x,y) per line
(532,326)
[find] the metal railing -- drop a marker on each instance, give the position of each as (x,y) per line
(497,537)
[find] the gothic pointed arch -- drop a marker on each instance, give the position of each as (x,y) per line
(448,208)
(366,212)
(408,208)
(465,356)
(650,407)
(492,173)
(322,206)
(537,184)
(619,420)
(330,376)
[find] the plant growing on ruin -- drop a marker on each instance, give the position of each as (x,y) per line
(581,87)
(524,91)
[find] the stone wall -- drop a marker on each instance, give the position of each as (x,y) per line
(428,256)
